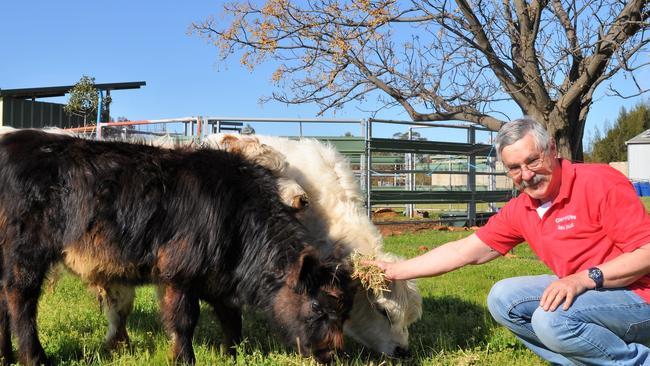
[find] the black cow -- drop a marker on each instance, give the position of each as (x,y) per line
(201,224)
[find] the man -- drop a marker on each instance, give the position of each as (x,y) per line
(586,224)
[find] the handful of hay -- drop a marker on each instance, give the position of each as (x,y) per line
(370,276)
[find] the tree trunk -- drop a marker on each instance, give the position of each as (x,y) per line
(567,131)
(567,128)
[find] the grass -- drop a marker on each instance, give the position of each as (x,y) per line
(646,203)
(456,328)
(434,210)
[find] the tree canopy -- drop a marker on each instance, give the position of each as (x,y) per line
(450,60)
(84,99)
(611,146)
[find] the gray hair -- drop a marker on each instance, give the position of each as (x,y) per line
(514,131)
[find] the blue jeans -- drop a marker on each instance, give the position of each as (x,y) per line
(606,327)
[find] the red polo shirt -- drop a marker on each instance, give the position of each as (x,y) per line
(595,217)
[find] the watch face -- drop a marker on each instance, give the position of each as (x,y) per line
(596,275)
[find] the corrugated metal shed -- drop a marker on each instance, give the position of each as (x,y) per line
(642,138)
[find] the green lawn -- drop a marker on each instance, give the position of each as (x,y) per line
(646,202)
(456,328)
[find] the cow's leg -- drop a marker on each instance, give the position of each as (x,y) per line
(231,324)
(117,301)
(6,354)
(22,290)
(180,313)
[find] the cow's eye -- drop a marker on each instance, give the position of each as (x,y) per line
(315,307)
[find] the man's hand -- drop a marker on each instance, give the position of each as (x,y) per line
(565,290)
(387,267)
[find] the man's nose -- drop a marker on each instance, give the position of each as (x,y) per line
(527,174)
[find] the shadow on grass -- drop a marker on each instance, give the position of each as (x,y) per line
(255,329)
(145,329)
(69,345)
(448,324)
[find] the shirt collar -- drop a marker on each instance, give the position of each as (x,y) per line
(568,176)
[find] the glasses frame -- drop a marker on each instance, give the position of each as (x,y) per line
(533,166)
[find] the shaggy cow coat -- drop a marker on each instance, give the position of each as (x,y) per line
(378,320)
(202,224)
(336,210)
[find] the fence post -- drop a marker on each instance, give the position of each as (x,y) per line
(471,178)
(410,181)
(363,171)
(98,134)
(491,162)
(368,135)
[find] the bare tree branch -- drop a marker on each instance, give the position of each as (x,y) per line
(440,60)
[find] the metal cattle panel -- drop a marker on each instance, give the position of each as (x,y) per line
(395,197)
(430,147)
(345,145)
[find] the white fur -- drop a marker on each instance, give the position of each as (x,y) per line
(336,210)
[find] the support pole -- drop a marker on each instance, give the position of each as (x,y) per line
(471,181)
(491,162)
(410,181)
(98,134)
(368,135)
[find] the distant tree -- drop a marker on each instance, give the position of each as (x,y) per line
(611,146)
(348,134)
(415,136)
(84,99)
(442,60)
(247,130)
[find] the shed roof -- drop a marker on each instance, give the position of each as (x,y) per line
(642,138)
(59,91)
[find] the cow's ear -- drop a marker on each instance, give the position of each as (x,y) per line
(230,143)
(305,274)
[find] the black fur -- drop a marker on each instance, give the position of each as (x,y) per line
(202,224)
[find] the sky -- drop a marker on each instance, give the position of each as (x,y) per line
(52,43)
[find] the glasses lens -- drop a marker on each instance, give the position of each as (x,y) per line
(513,172)
(535,164)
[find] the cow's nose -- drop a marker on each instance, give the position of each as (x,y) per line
(401,352)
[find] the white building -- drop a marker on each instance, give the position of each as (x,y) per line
(638,156)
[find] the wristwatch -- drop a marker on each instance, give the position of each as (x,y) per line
(597,275)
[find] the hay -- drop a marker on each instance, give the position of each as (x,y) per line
(371,277)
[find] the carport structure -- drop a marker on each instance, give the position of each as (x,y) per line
(20,109)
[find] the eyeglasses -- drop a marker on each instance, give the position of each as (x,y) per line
(533,166)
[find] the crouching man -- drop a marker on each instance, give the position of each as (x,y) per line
(585,222)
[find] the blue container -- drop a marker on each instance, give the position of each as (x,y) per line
(645,189)
(637,188)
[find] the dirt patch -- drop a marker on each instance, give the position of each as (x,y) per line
(385,214)
(399,228)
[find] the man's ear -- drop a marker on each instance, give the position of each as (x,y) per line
(553,148)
